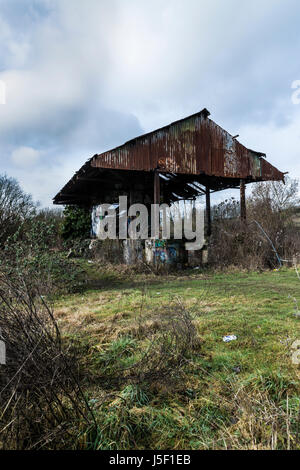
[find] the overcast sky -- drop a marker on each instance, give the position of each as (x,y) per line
(83,76)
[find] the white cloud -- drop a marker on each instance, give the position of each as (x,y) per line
(25,157)
(281,144)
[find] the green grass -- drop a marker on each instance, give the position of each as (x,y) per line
(243,394)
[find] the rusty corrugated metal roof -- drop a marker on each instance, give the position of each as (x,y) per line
(195,145)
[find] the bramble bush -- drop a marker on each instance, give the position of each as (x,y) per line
(270,228)
(35,256)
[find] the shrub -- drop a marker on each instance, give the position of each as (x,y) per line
(166,349)
(32,253)
(269,233)
(76,223)
(41,401)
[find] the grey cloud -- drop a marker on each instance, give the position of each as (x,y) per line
(86,76)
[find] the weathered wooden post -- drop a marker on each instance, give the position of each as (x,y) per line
(243,200)
(156,187)
(208,212)
(156,199)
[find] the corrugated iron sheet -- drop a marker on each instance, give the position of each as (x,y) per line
(194,145)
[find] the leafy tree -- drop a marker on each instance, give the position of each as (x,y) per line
(76,224)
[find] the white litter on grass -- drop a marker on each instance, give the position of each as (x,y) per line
(228,339)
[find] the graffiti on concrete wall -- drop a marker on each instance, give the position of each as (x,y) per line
(164,252)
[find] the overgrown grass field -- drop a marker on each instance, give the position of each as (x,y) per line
(239,395)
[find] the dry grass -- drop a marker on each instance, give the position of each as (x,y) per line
(241,395)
